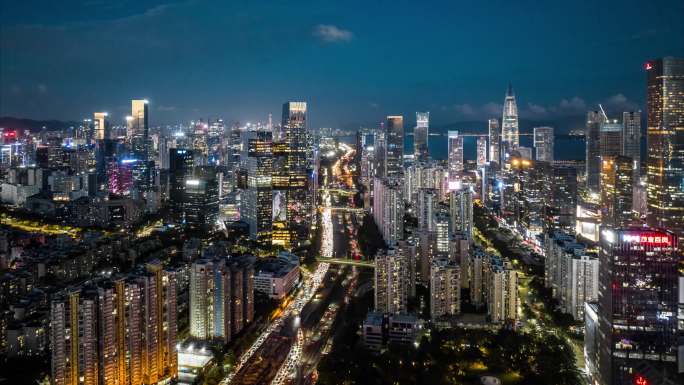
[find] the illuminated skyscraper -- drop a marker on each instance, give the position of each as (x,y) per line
(201,199)
(481,151)
(181,163)
(593,149)
(494,141)
(455,153)
(293,178)
(139,138)
(665,151)
(394,146)
(388,209)
(101,125)
(631,139)
(421,136)
(543,143)
(616,190)
(509,122)
(610,138)
(638,307)
(259,205)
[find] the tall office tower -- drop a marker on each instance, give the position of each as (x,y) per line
(631,139)
(455,154)
(380,152)
(139,137)
(210,300)
(494,141)
(257,206)
(101,125)
(181,162)
(120,331)
(298,197)
(201,199)
(461,211)
(445,289)
(104,149)
(509,123)
(593,149)
(481,151)
(391,281)
(543,143)
(502,292)
(665,152)
(427,200)
(388,210)
(637,307)
(610,138)
(563,208)
(616,191)
(441,222)
(394,146)
(215,133)
(421,136)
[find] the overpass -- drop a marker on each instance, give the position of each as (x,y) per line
(338,208)
(344,261)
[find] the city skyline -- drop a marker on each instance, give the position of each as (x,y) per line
(329,46)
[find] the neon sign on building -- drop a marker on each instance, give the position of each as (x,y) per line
(647,238)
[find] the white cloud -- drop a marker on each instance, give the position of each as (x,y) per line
(332,34)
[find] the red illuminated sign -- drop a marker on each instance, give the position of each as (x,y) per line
(640,380)
(647,238)
(648,66)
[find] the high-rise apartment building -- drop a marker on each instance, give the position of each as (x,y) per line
(394,146)
(461,211)
(543,144)
(427,200)
(210,300)
(509,123)
(502,291)
(388,209)
(563,208)
(120,331)
(445,289)
(455,155)
(665,149)
(494,141)
(637,307)
(391,281)
(421,136)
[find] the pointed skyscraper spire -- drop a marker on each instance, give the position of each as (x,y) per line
(509,91)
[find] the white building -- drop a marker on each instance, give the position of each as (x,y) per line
(502,291)
(461,211)
(276,278)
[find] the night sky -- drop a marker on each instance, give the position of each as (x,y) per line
(353,61)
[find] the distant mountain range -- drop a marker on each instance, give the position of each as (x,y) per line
(21,124)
